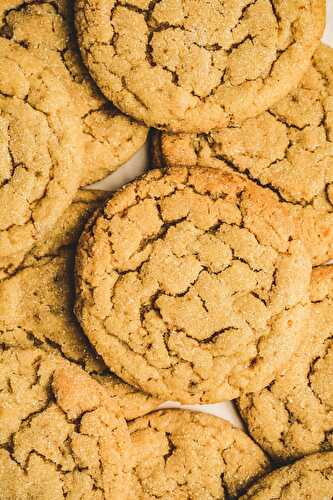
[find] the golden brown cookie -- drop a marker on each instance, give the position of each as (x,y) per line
(65,233)
(288,149)
(36,305)
(191,287)
(293,417)
(61,435)
(40,150)
(310,478)
(182,454)
(46,29)
(189,65)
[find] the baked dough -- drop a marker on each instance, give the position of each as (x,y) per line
(293,417)
(183,454)
(288,150)
(46,29)
(36,305)
(61,435)
(191,287)
(40,150)
(310,478)
(195,65)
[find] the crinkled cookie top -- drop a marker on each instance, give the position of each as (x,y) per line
(61,435)
(293,417)
(181,454)
(65,233)
(37,298)
(40,150)
(46,29)
(288,149)
(190,65)
(310,478)
(191,287)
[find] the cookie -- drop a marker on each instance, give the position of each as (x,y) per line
(191,287)
(182,454)
(46,29)
(310,478)
(293,417)
(64,234)
(158,61)
(288,149)
(36,305)
(61,435)
(41,164)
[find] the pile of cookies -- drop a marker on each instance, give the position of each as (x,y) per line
(205,280)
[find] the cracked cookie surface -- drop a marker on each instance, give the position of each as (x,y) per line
(65,233)
(182,454)
(40,150)
(46,29)
(159,62)
(288,149)
(293,417)
(36,305)
(190,286)
(310,478)
(61,435)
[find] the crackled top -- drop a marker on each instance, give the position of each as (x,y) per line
(159,62)
(288,149)
(65,233)
(36,304)
(181,454)
(190,285)
(40,150)
(310,478)
(61,435)
(293,417)
(46,29)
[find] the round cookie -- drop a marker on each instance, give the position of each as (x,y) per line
(61,435)
(40,150)
(46,29)
(36,305)
(182,454)
(310,478)
(288,149)
(191,287)
(159,62)
(293,417)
